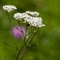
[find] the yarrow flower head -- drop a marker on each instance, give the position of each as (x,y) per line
(35,21)
(30,17)
(9,8)
(19,16)
(32,13)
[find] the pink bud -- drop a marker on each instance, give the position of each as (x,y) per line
(18,32)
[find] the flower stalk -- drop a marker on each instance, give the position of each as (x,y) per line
(12,30)
(25,45)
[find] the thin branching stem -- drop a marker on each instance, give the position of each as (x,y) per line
(24,45)
(12,30)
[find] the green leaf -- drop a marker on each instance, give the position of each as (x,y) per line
(8,45)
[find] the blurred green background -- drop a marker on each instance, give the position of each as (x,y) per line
(47,37)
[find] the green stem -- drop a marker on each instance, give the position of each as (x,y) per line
(19,51)
(23,53)
(30,40)
(12,30)
(24,45)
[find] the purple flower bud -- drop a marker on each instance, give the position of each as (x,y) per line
(18,32)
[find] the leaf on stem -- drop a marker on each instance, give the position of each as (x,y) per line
(8,45)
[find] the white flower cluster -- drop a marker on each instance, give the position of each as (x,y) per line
(32,13)
(34,21)
(30,18)
(19,16)
(9,8)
